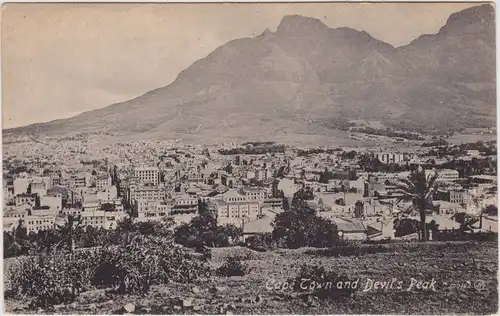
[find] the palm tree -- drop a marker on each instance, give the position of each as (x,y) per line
(419,188)
(68,231)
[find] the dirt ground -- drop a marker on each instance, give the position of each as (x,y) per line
(438,278)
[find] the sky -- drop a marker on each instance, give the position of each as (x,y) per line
(59,60)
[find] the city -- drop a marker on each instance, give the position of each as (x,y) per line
(244,185)
(249,158)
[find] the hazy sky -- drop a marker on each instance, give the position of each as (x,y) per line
(59,60)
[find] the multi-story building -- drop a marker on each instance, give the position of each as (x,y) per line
(38,222)
(183,203)
(253,194)
(234,205)
(102,182)
(152,210)
(147,175)
(78,180)
(444,175)
(145,192)
(390,157)
(453,196)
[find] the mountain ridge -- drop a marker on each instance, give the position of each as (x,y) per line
(305,72)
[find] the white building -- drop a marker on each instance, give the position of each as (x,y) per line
(444,175)
(103,182)
(148,175)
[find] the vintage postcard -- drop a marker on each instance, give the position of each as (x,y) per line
(249,158)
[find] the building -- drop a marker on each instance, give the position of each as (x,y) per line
(447,208)
(288,187)
(234,205)
(453,196)
(145,192)
(147,175)
(52,201)
(38,188)
(78,180)
(388,158)
(253,194)
(35,223)
(102,182)
(21,185)
(152,210)
(25,198)
(444,175)
(183,204)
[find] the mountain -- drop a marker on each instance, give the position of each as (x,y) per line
(307,78)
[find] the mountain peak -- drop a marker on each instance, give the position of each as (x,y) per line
(291,23)
(465,20)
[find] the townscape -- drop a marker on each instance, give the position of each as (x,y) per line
(308,169)
(244,185)
(70,195)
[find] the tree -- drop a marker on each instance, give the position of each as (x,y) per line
(465,220)
(229,168)
(203,231)
(69,229)
(302,229)
(491,210)
(419,188)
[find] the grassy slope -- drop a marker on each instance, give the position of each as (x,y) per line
(454,263)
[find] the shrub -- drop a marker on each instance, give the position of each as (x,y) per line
(51,280)
(295,229)
(145,261)
(232,267)
(202,230)
(259,242)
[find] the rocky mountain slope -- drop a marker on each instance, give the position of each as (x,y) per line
(307,78)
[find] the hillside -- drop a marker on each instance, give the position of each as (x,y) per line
(464,274)
(306,77)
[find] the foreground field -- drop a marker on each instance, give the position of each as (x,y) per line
(430,278)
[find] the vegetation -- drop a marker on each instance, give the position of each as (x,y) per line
(203,231)
(232,267)
(387,132)
(145,261)
(257,149)
(420,189)
(301,227)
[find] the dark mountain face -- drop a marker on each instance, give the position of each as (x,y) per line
(307,75)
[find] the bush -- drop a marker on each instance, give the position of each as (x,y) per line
(145,261)
(51,280)
(314,279)
(203,230)
(260,242)
(232,267)
(295,229)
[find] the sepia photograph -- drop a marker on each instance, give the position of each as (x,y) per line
(249,158)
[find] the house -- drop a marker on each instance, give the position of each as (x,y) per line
(350,228)
(448,208)
(258,226)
